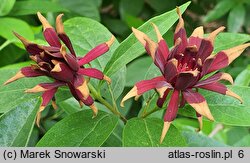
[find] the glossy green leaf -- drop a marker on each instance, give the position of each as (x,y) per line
(6,6)
(243,142)
(8,25)
(146,133)
(16,125)
(243,79)
(236,18)
(137,69)
(130,48)
(80,129)
(195,139)
(88,9)
(86,34)
(29,7)
(221,8)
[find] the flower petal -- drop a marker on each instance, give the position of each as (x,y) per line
(70,59)
(149,45)
(62,35)
(225,57)
(62,72)
(96,52)
(46,98)
(45,87)
(49,32)
(162,99)
(31,48)
(217,77)
(25,72)
(93,73)
(141,87)
(170,114)
(186,79)
(170,71)
(198,102)
(220,88)
(180,31)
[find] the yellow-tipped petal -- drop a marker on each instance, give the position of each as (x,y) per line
(54,105)
(38,116)
(94,109)
(145,40)
(181,21)
(59,24)
(84,90)
(234,95)
(35,89)
(164,130)
(198,32)
(137,97)
(44,21)
(57,68)
(227,77)
(111,41)
(131,93)
(107,79)
(162,90)
(158,34)
(14,78)
(24,40)
(235,52)
(200,123)
(213,35)
(202,109)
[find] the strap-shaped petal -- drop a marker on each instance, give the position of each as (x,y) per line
(62,35)
(25,72)
(225,57)
(70,59)
(170,71)
(217,77)
(186,79)
(96,52)
(141,87)
(45,87)
(94,73)
(62,72)
(49,32)
(170,114)
(220,88)
(198,102)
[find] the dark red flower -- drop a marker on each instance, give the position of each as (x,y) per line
(63,67)
(182,69)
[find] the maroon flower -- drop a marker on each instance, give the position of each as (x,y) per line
(63,67)
(182,69)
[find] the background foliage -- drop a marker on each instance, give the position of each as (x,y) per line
(91,22)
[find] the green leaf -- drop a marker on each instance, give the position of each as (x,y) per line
(195,139)
(115,138)
(228,40)
(146,133)
(16,125)
(236,18)
(89,9)
(15,91)
(130,48)
(137,69)
(86,34)
(243,142)
(243,79)
(130,7)
(8,25)
(80,129)
(235,134)
(220,9)
(29,7)
(6,6)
